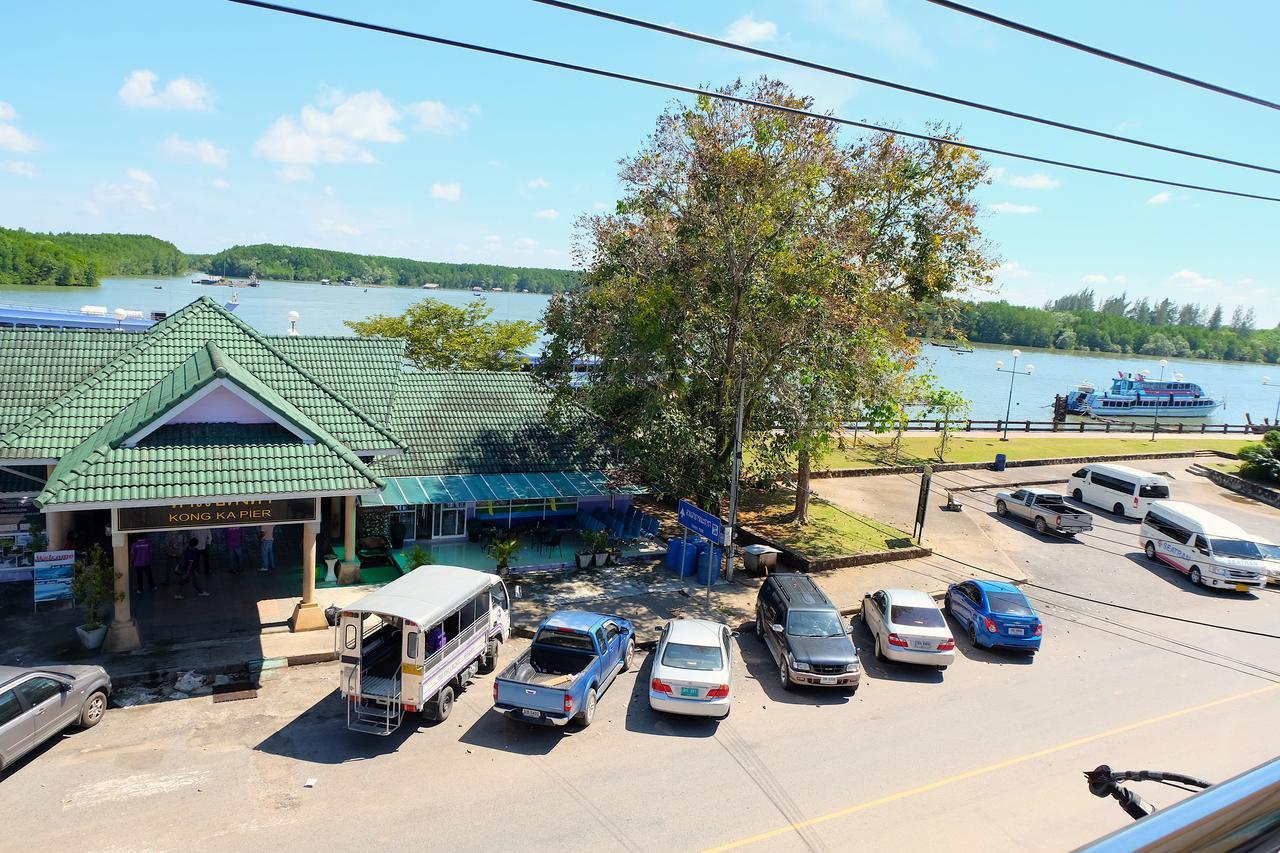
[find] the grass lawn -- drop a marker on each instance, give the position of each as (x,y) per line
(874,451)
(831,531)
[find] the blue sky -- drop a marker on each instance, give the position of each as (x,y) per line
(210,124)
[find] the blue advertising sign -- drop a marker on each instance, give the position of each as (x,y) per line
(53,572)
(700,521)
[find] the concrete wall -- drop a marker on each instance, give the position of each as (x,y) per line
(1242,486)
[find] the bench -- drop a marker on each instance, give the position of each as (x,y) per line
(374,551)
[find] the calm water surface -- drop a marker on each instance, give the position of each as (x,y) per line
(323,310)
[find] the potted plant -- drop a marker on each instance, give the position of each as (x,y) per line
(599,541)
(503,551)
(398,532)
(419,557)
(586,553)
(93,583)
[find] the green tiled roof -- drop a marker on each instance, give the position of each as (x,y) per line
(481,422)
(61,425)
(365,371)
(105,459)
(39,365)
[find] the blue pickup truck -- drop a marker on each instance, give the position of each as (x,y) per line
(573,659)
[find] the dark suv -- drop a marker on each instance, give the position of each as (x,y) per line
(805,634)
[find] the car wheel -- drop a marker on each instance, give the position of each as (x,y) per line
(1001,509)
(759,626)
(1118,509)
(589,709)
(489,660)
(1151,552)
(879,651)
(784,676)
(946,605)
(442,707)
(1041,527)
(1195,576)
(1078,495)
(849,691)
(628,656)
(94,707)
(726,713)
(973,634)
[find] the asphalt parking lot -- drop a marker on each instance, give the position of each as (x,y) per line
(987,754)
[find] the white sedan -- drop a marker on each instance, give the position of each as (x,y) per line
(693,669)
(908,628)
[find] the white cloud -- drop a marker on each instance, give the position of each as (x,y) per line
(599,205)
(287,142)
(18,167)
(220,184)
(1160,198)
(1191,281)
(180,93)
(200,150)
(295,173)
(1037,181)
(141,177)
(12,139)
(1098,278)
(446,192)
(870,22)
(364,116)
(549,213)
(748,30)
(328,190)
(1010,207)
(329,226)
(1010,269)
(135,190)
(493,239)
(435,117)
(525,243)
(539,183)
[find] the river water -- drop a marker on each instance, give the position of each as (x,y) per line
(323,309)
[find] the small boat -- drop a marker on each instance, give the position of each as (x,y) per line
(157,287)
(959,350)
(1134,395)
(253,279)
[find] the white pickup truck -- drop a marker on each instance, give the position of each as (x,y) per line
(1047,510)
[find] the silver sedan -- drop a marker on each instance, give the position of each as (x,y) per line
(693,669)
(36,704)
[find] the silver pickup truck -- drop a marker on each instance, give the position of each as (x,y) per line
(1047,510)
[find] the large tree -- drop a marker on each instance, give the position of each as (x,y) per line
(447,336)
(752,251)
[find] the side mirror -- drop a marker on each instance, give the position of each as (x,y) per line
(776,628)
(849,629)
(64,686)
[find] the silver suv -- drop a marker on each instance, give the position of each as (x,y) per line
(38,703)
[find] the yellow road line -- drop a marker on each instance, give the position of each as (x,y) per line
(991,768)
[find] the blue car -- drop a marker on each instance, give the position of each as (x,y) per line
(996,614)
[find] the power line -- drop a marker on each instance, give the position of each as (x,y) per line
(690,90)
(1105,54)
(901,87)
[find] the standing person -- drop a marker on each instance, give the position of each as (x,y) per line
(267,543)
(188,572)
(140,557)
(174,544)
(203,537)
(232,538)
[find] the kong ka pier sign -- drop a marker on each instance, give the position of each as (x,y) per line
(219,514)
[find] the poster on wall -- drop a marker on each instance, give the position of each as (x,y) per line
(53,573)
(16,552)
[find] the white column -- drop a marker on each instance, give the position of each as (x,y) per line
(122,633)
(349,572)
(307,615)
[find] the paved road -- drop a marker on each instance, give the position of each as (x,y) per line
(987,756)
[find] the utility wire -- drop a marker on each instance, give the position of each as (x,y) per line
(1105,54)
(723,96)
(901,87)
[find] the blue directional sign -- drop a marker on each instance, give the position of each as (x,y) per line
(700,521)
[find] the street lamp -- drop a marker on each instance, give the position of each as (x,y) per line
(1155,422)
(1275,419)
(1012,371)
(294,316)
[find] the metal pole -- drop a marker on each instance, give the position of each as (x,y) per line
(1009,407)
(733,483)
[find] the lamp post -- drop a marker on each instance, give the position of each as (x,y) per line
(294,316)
(1275,419)
(1012,371)
(1155,422)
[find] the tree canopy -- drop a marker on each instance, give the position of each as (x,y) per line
(753,251)
(445,336)
(63,260)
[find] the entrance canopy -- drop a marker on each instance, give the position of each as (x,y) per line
(464,488)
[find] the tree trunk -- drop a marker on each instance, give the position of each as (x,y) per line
(804,464)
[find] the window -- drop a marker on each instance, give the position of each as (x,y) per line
(1081,474)
(1237,548)
(814,623)
(610,631)
(1167,528)
(411,645)
(1019,495)
(600,639)
(1010,604)
(916,617)
(1113,483)
(1153,491)
(349,638)
(39,689)
(500,598)
(10,708)
(1202,544)
(702,658)
(974,594)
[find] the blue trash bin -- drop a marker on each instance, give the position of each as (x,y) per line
(1001,460)
(709,559)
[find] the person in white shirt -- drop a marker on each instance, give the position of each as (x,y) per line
(203,537)
(267,544)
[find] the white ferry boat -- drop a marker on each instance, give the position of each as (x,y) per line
(1134,395)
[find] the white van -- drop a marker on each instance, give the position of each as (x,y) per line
(1123,490)
(1210,550)
(412,644)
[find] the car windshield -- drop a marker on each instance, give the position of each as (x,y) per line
(814,623)
(684,656)
(1009,604)
(916,617)
(1271,552)
(1235,548)
(1153,491)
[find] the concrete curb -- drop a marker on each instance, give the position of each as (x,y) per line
(1016,463)
(801,561)
(1241,486)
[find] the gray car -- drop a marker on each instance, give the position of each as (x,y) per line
(38,703)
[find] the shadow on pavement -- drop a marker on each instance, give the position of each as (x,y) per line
(888,670)
(320,735)
(974,652)
(1030,530)
(1176,578)
(646,721)
(762,667)
(494,731)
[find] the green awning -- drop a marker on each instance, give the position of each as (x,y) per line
(465,488)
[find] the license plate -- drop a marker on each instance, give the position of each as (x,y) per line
(529,712)
(689,691)
(827,680)
(1241,587)
(1017,632)
(921,644)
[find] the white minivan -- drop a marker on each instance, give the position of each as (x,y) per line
(1210,550)
(1123,490)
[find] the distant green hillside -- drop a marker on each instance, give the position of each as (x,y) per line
(294,263)
(77,260)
